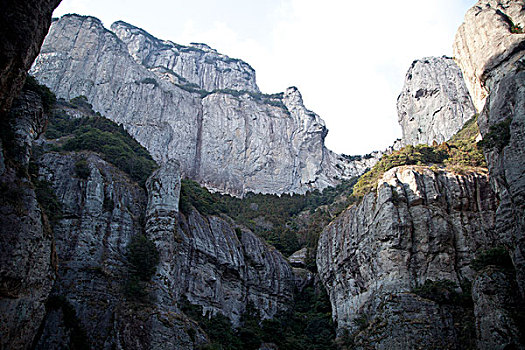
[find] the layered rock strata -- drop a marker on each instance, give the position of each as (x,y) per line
(231,140)
(434,103)
(420,225)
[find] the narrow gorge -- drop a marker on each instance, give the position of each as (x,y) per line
(154,198)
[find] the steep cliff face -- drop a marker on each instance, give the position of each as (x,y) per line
(27,254)
(196,64)
(491,46)
(202,260)
(231,140)
(209,261)
(23,26)
(491,34)
(434,103)
(420,225)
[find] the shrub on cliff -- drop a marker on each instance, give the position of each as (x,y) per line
(101,135)
(143,258)
(460,152)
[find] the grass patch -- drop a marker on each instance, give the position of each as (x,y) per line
(497,256)
(459,153)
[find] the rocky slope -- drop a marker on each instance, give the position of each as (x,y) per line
(231,140)
(434,103)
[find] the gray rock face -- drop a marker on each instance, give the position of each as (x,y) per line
(27,255)
(202,259)
(24,26)
(196,64)
(492,59)
(100,215)
(434,103)
(406,321)
(419,225)
(205,261)
(231,141)
(485,41)
(496,305)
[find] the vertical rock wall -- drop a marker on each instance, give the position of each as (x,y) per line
(434,103)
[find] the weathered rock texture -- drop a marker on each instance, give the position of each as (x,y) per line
(205,260)
(23,25)
(27,256)
(485,41)
(419,225)
(202,260)
(195,64)
(231,140)
(497,304)
(434,103)
(492,59)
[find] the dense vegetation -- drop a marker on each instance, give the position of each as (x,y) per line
(308,325)
(498,136)
(98,134)
(47,96)
(143,258)
(288,222)
(458,154)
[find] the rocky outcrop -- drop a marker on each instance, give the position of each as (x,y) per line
(434,103)
(197,64)
(209,262)
(490,49)
(23,26)
(232,141)
(100,214)
(491,34)
(420,225)
(27,255)
(203,260)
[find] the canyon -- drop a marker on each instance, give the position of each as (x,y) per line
(427,252)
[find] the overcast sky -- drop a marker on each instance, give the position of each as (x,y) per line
(348,58)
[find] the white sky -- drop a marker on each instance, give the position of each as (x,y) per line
(348,58)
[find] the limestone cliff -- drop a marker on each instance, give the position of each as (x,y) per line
(196,64)
(434,103)
(491,34)
(420,225)
(202,260)
(23,25)
(27,255)
(490,47)
(233,140)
